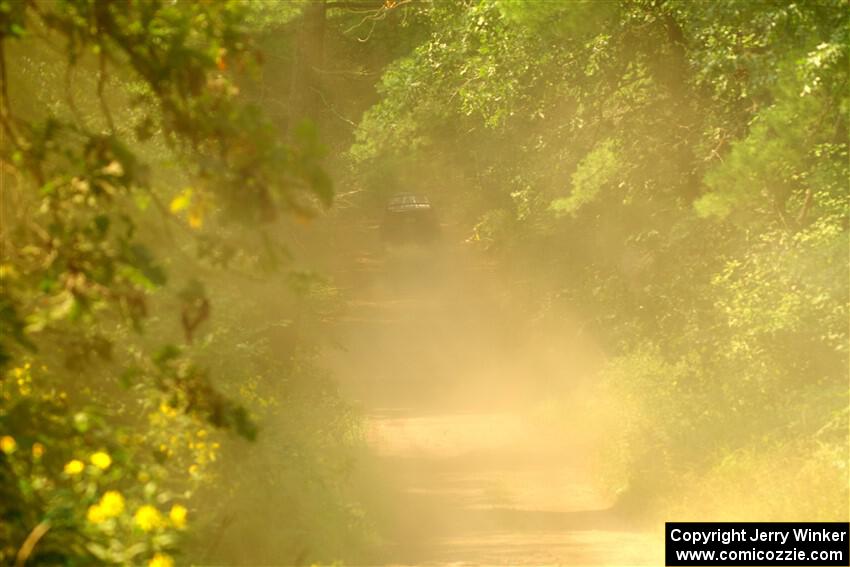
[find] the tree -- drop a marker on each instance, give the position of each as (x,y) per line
(84,479)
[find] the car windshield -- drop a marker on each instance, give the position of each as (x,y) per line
(407,202)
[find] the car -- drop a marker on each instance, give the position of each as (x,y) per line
(409,219)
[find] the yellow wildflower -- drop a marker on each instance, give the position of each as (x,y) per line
(161,560)
(101,460)
(8,444)
(37,450)
(167,409)
(178,516)
(148,518)
(112,503)
(95,515)
(75,466)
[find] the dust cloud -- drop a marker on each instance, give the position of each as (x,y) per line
(482,420)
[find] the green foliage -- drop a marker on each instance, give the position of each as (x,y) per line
(596,170)
(784,149)
(268,346)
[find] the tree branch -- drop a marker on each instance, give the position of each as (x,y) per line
(29,544)
(6,118)
(101,80)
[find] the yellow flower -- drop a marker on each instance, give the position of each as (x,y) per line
(95,515)
(75,466)
(148,518)
(101,460)
(37,450)
(112,503)
(167,409)
(161,560)
(8,444)
(178,516)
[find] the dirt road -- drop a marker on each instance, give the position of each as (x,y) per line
(465,468)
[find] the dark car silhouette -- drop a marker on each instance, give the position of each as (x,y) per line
(409,219)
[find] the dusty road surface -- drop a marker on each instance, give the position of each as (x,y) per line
(465,467)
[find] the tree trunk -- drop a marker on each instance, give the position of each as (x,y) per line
(305,87)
